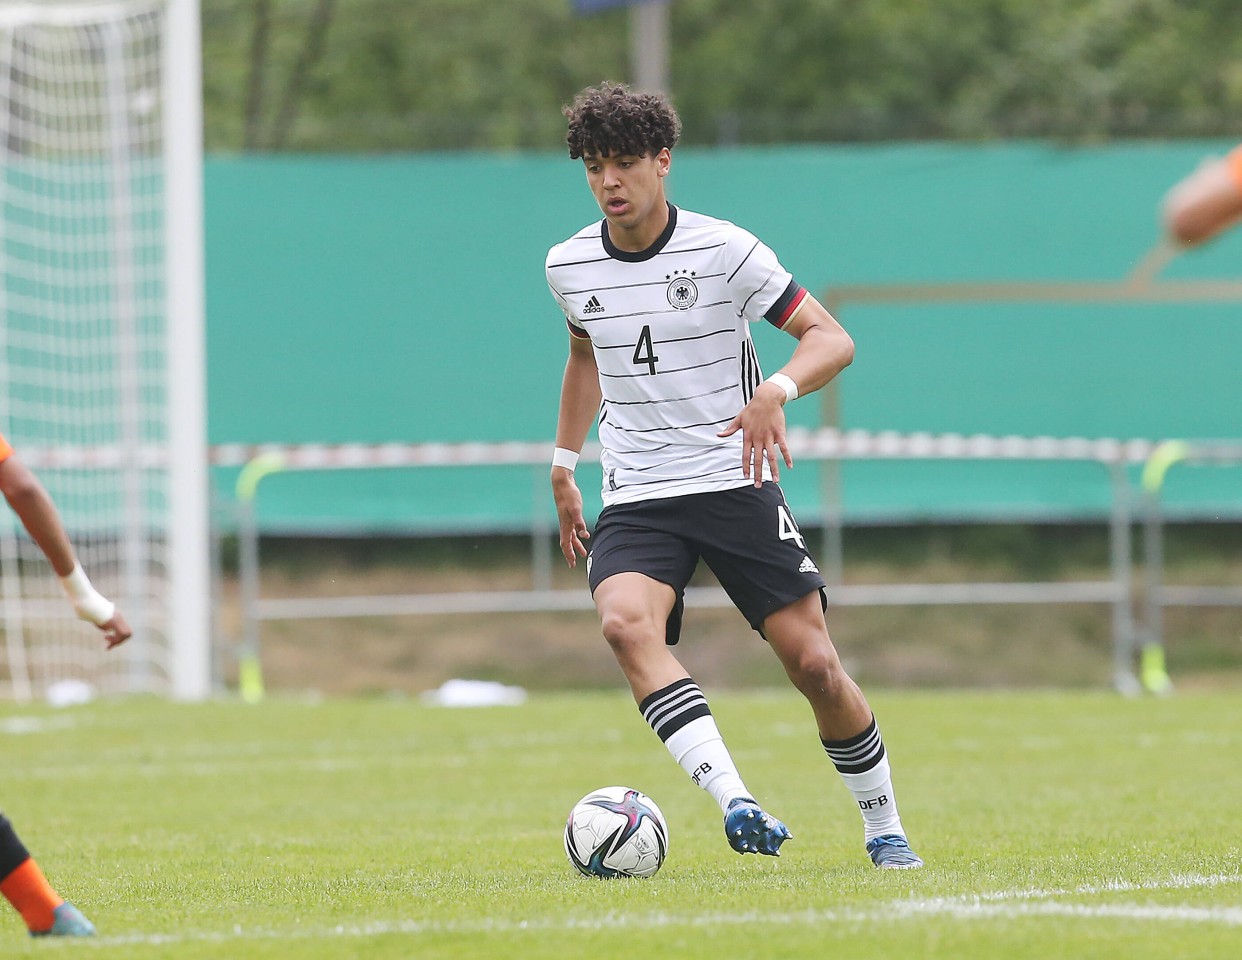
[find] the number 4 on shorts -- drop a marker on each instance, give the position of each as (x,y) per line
(787,529)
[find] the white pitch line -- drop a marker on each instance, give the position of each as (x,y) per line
(1177,881)
(22,725)
(1224,916)
(1002,905)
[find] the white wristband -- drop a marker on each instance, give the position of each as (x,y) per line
(785,383)
(564,458)
(89,603)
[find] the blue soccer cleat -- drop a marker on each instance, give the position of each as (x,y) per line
(892,852)
(750,830)
(68,922)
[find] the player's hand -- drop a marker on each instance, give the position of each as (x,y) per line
(569,514)
(762,422)
(116,630)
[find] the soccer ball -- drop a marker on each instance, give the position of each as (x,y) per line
(616,832)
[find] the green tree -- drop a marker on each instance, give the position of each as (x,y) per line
(369,75)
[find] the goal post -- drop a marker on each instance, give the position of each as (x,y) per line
(102,357)
(190,581)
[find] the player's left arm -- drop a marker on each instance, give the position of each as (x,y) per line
(824,349)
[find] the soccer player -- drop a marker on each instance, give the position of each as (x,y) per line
(23,884)
(1207,201)
(658,301)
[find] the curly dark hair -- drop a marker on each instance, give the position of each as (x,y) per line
(611,120)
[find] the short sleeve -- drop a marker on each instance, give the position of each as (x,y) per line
(575,325)
(761,289)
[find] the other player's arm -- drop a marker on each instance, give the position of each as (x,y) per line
(824,349)
(1206,202)
(580,398)
(34,507)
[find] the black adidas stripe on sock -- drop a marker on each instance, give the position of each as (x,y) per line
(671,708)
(857,754)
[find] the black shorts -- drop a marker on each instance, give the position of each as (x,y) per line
(747,536)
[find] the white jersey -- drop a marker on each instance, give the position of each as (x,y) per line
(669,326)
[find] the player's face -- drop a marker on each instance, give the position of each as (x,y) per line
(630,191)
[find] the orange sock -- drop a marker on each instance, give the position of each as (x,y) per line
(31,895)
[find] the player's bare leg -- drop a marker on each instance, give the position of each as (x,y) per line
(634,611)
(847,727)
(799,637)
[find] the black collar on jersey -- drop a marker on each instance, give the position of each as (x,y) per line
(639,256)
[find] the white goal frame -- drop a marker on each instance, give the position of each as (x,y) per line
(183,454)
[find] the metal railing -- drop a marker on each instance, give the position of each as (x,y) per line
(822,445)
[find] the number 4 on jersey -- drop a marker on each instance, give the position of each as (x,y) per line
(786,529)
(644,343)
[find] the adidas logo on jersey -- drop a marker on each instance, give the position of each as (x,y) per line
(807,566)
(593,306)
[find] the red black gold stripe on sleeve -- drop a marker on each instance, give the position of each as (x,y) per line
(786,304)
(577,331)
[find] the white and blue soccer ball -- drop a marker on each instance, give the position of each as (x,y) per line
(616,832)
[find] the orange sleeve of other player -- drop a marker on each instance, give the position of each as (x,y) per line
(1233,160)
(5,450)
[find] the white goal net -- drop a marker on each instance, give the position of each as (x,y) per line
(89,391)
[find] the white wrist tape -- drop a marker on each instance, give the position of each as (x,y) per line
(89,603)
(564,458)
(785,383)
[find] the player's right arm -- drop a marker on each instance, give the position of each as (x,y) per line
(1206,202)
(580,398)
(34,507)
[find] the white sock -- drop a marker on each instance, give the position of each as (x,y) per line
(681,718)
(702,753)
(874,792)
(863,764)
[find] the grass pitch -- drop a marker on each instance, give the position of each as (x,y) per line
(1054,825)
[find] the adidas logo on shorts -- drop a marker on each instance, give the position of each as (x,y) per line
(807,566)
